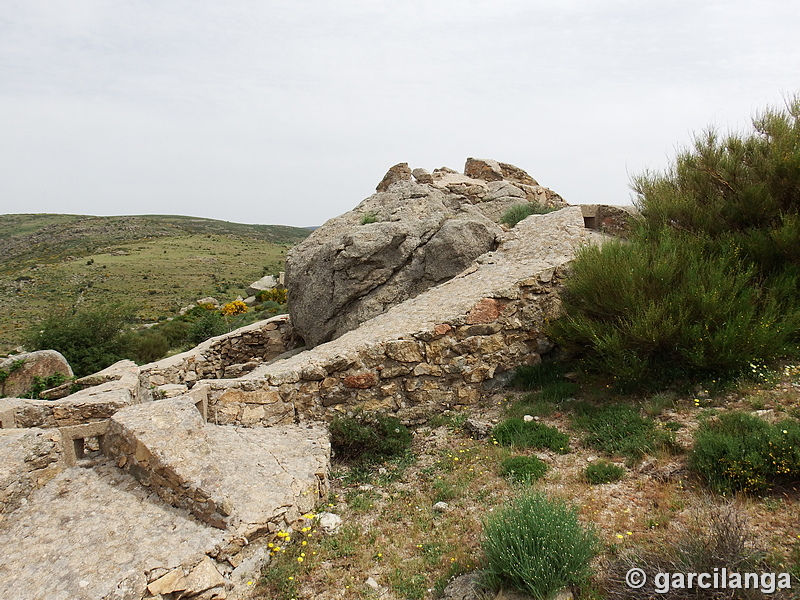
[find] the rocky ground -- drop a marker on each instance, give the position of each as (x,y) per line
(396,542)
(94,533)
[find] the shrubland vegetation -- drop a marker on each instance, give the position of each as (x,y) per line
(56,264)
(709,281)
(93,338)
(643,427)
(516,213)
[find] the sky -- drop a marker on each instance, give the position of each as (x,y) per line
(291,112)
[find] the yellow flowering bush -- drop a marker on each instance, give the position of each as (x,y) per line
(231,309)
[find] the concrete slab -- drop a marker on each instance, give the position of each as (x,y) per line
(249,481)
(92,534)
(30,458)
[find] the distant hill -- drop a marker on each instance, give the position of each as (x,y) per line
(155,263)
(41,238)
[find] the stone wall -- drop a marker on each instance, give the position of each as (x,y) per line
(225,356)
(120,388)
(31,458)
(431,352)
(250,481)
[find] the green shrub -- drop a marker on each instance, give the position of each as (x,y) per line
(530,434)
(738,190)
(518,212)
(40,384)
(15,365)
(90,339)
(370,217)
(710,279)
(537,546)
(620,429)
(368,437)
(146,345)
(209,324)
(740,452)
(523,469)
(653,313)
(603,472)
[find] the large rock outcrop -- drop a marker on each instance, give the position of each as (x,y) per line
(18,373)
(419,230)
(438,350)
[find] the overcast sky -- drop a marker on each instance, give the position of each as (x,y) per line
(291,112)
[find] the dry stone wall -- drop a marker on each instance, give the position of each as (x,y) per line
(120,387)
(249,481)
(225,356)
(436,350)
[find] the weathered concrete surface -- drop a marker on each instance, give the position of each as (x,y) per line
(250,481)
(96,534)
(30,458)
(428,353)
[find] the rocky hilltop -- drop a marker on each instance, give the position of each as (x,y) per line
(418,230)
(169,480)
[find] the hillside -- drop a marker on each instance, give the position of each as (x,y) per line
(155,263)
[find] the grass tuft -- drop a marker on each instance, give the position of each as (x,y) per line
(523,469)
(603,472)
(619,429)
(530,434)
(536,545)
(518,212)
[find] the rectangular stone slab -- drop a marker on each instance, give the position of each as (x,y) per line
(249,481)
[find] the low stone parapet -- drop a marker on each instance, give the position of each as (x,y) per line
(228,355)
(437,350)
(88,405)
(249,481)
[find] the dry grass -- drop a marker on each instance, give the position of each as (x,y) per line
(393,534)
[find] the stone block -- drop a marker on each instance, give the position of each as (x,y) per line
(404,351)
(250,477)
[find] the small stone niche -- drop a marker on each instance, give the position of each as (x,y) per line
(87,447)
(81,442)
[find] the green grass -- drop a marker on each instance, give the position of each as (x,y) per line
(530,434)
(368,437)
(532,377)
(523,469)
(619,429)
(158,275)
(518,212)
(370,217)
(537,545)
(603,472)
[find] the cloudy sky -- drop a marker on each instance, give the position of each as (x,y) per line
(261,111)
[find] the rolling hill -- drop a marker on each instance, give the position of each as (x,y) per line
(51,262)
